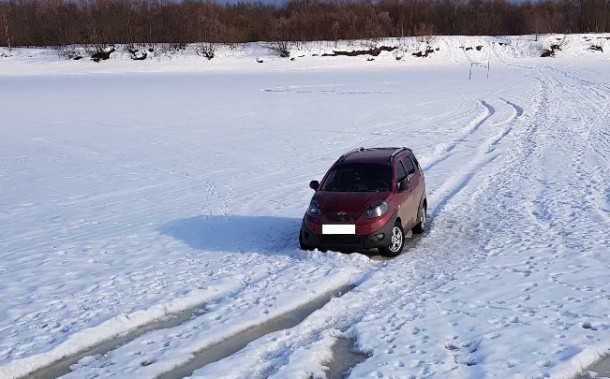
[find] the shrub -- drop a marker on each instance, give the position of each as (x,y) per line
(206,50)
(100,53)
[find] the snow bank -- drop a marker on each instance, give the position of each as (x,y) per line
(263,55)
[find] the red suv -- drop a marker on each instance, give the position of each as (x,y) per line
(367,200)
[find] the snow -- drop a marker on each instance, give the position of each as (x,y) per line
(133,192)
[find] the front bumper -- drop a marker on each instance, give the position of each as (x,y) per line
(348,242)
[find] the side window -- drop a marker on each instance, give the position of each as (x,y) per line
(417,166)
(401,174)
(409,166)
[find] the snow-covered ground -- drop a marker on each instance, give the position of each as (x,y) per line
(136,192)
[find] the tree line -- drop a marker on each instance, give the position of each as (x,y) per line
(98,22)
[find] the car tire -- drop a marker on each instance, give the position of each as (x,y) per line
(302,245)
(422,220)
(397,242)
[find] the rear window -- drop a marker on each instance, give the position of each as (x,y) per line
(358,178)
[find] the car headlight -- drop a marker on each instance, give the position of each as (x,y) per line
(376,209)
(314,209)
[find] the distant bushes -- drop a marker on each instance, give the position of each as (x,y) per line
(100,23)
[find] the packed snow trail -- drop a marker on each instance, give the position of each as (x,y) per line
(191,194)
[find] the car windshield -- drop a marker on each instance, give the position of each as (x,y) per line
(358,178)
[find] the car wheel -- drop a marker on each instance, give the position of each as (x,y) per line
(397,241)
(302,245)
(422,221)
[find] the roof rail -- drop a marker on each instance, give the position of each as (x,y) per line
(398,150)
(341,158)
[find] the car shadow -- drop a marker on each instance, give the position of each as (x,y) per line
(233,233)
(260,234)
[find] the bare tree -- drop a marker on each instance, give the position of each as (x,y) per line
(7,32)
(279,32)
(105,22)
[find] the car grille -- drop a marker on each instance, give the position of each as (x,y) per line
(340,239)
(334,217)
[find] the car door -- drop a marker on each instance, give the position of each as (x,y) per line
(415,187)
(404,197)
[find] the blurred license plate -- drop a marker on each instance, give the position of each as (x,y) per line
(338,229)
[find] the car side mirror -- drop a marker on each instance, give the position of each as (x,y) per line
(314,184)
(403,186)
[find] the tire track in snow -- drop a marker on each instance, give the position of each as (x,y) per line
(415,266)
(380,138)
(576,130)
(485,154)
(497,201)
(243,191)
(597,135)
(416,281)
(278,356)
(217,333)
(106,338)
(517,166)
(443,151)
(545,208)
(230,343)
(428,286)
(516,170)
(107,231)
(490,146)
(50,319)
(236,342)
(600,90)
(495,141)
